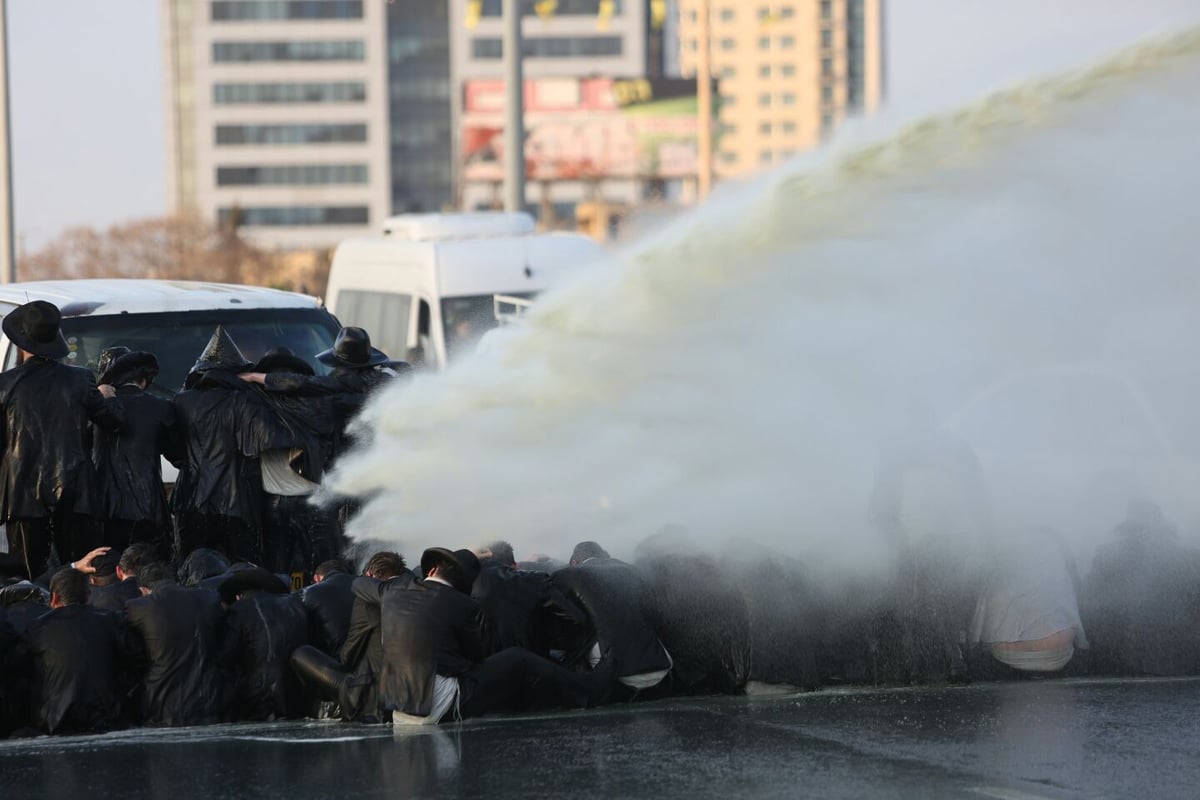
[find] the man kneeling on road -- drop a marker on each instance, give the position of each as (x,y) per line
(433,654)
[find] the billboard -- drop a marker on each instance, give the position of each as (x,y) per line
(585,129)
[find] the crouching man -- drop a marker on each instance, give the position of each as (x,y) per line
(434,666)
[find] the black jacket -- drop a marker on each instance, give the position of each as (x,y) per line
(362,652)
(616,598)
(704,622)
(114,596)
(341,395)
(182,631)
(428,629)
(128,462)
(224,426)
(82,659)
(262,630)
(522,609)
(330,605)
(24,602)
(45,408)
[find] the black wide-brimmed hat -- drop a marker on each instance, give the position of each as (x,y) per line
(466,561)
(132,367)
(253,579)
(222,353)
(36,328)
(352,348)
(281,359)
(104,363)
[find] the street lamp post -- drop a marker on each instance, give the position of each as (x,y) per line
(8,255)
(514,113)
(704,96)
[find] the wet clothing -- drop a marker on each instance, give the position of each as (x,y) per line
(46,471)
(182,630)
(262,630)
(224,426)
(362,651)
(129,466)
(616,598)
(82,658)
(24,602)
(330,605)
(298,536)
(524,609)
(114,596)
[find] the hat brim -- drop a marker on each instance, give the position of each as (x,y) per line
(129,364)
(331,358)
(281,363)
(434,555)
(250,580)
(54,350)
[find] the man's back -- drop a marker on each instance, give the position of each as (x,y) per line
(128,462)
(182,630)
(518,607)
(80,660)
(330,605)
(263,631)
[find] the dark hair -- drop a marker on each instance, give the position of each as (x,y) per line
(71,586)
(332,567)
(502,551)
(585,550)
(384,565)
(135,557)
(450,573)
(154,573)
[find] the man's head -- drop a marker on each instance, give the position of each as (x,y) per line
(501,551)
(333,566)
(585,550)
(153,575)
(106,569)
(68,587)
(459,568)
(134,558)
(384,566)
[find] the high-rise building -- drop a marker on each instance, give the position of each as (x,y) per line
(789,71)
(278,116)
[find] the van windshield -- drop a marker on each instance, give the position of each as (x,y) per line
(467,319)
(178,338)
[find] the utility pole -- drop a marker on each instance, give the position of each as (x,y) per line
(514,109)
(8,243)
(704,96)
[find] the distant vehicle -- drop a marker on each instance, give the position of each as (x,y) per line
(173,320)
(432,285)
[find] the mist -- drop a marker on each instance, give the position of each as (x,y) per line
(1023,265)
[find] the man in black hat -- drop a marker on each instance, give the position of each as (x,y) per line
(47,481)
(133,504)
(224,426)
(434,665)
(298,535)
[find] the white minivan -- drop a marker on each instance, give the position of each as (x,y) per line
(428,288)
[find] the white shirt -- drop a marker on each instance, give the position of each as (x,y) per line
(279,478)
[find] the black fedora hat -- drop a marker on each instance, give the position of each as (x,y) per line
(252,579)
(281,359)
(108,357)
(352,348)
(466,561)
(132,367)
(36,328)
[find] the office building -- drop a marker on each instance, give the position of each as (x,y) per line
(789,72)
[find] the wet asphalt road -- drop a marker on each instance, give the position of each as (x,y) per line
(1018,741)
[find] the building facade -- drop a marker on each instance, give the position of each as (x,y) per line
(788,70)
(278,116)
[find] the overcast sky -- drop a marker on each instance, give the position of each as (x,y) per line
(87,85)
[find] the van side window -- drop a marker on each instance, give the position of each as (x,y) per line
(420,352)
(384,315)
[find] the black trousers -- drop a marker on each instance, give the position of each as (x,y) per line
(72,535)
(517,680)
(233,537)
(298,536)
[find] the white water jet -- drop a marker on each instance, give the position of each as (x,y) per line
(737,373)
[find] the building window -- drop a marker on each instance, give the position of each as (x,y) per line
(728,44)
(226,10)
(788,99)
(727,128)
(764,100)
(492,48)
(268,93)
(293,175)
(693,45)
(789,128)
(764,128)
(764,71)
(826,10)
(728,72)
(764,13)
(787,42)
(787,12)
(827,67)
(826,39)
(789,70)
(728,100)
(293,216)
(827,95)
(226,52)
(728,157)
(765,157)
(563,8)
(727,15)
(827,121)
(291,134)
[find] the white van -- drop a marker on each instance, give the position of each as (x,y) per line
(427,289)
